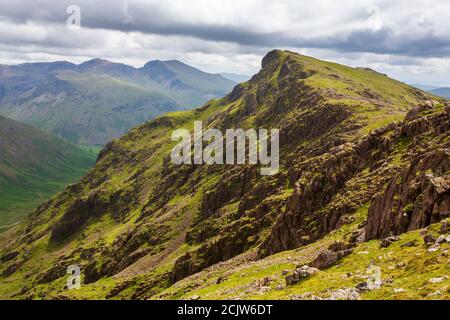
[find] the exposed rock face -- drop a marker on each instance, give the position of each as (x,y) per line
(139,217)
(418,197)
(78,214)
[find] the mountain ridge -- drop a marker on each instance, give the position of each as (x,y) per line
(141,227)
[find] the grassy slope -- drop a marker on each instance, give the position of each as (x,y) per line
(149,144)
(34,166)
(408,268)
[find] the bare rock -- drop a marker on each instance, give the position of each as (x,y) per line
(345,294)
(437,280)
(441,239)
(412,243)
(386,242)
(444,227)
(325,259)
(299,274)
(429,239)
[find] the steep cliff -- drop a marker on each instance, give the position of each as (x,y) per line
(362,156)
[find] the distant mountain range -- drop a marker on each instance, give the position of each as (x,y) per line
(98,100)
(34,166)
(436,90)
(443,92)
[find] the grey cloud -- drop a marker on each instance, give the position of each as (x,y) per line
(159,19)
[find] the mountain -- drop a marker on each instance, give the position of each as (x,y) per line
(34,166)
(443,92)
(359,200)
(238,78)
(425,87)
(98,100)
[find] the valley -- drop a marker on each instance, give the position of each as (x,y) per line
(35,166)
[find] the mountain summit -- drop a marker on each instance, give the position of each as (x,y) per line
(364,163)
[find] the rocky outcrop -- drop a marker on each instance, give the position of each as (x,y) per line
(300,273)
(310,212)
(416,198)
(79,212)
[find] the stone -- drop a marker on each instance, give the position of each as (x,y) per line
(343,253)
(300,273)
(412,243)
(434,294)
(386,242)
(362,286)
(441,239)
(358,236)
(429,239)
(266,281)
(444,227)
(345,294)
(325,259)
(12,268)
(337,246)
(263,290)
(436,280)
(9,256)
(220,280)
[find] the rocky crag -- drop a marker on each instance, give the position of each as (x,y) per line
(364,161)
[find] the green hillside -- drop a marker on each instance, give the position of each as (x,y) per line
(363,181)
(34,166)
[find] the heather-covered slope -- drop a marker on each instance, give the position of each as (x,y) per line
(34,166)
(98,100)
(140,226)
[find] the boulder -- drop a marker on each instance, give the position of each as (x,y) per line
(300,273)
(441,239)
(325,259)
(345,294)
(412,243)
(386,242)
(444,227)
(429,239)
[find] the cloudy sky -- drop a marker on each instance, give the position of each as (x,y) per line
(407,39)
